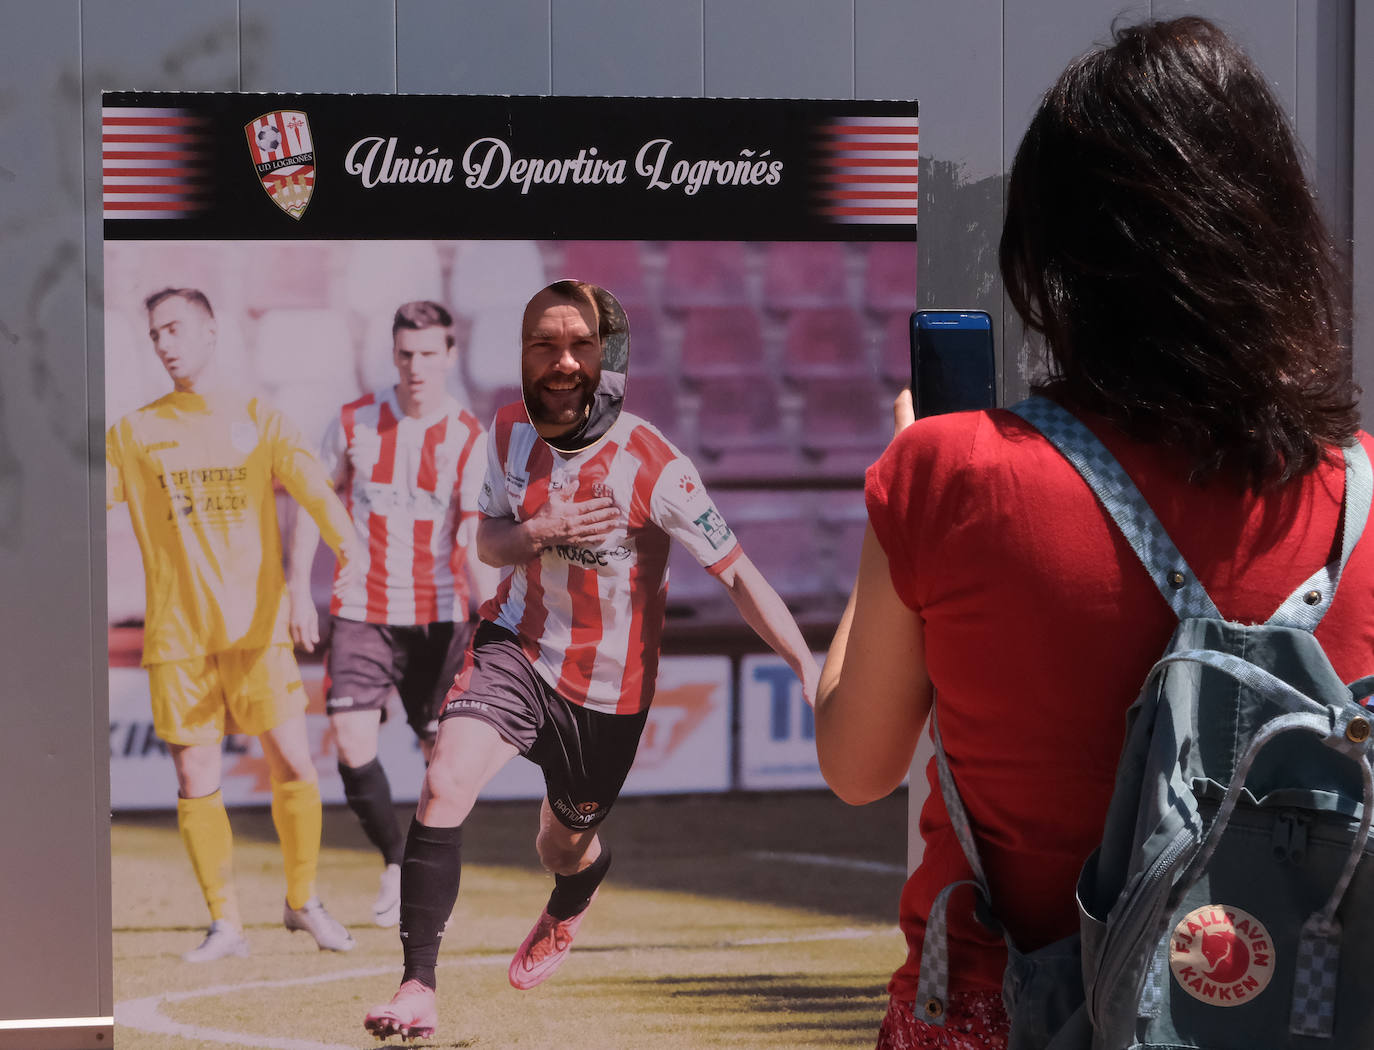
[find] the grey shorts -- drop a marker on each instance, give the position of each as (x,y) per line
(585,755)
(367,660)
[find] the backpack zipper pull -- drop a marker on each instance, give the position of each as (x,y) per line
(1297,845)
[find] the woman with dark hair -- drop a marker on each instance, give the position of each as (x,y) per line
(1162,239)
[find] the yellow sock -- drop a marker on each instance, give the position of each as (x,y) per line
(204,827)
(299,821)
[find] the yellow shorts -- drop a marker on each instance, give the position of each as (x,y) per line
(236,691)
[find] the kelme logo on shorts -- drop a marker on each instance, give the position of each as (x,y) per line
(1221,955)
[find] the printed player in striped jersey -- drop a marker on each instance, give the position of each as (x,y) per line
(409,462)
(197,468)
(580,504)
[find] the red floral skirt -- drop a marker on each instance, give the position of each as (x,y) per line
(973,1021)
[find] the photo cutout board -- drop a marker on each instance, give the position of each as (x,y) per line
(762,254)
(321,313)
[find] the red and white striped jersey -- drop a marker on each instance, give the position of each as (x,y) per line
(590,620)
(411,486)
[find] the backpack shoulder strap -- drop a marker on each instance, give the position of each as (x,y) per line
(932,982)
(1306,606)
(1123,502)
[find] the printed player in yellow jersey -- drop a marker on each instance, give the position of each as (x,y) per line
(196,468)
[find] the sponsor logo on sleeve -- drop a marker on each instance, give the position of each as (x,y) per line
(713,527)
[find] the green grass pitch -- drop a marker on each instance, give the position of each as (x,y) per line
(742,920)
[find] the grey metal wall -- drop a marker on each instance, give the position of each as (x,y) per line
(977,68)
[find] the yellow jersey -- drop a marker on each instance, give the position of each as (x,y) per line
(197,472)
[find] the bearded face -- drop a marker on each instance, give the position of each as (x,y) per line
(560,362)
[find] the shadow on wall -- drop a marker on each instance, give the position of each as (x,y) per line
(961,223)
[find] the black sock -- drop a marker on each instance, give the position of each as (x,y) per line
(572,893)
(369,796)
(429,890)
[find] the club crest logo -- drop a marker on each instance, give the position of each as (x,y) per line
(284,158)
(1221,955)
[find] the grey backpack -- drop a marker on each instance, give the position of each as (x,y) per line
(1230,905)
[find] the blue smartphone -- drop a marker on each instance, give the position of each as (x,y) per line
(952,364)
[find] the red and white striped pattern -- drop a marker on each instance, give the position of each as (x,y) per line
(410,486)
(288,129)
(868,170)
(154,163)
(590,620)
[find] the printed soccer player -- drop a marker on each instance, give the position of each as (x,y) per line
(196,467)
(563,664)
(409,461)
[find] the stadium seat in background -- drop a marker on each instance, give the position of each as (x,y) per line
(615,265)
(706,273)
(646,341)
(894,350)
(486,272)
(825,342)
(845,413)
(741,416)
(655,398)
(842,523)
(304,363)
(890,276)
(721,341)
(778,531)
(805,274)
(491,283)
(375,277)
(286,276)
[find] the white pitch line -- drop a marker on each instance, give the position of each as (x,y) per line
(822,861)
(827,935)
(145,1014)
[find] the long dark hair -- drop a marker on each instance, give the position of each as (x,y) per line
(1161,235)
